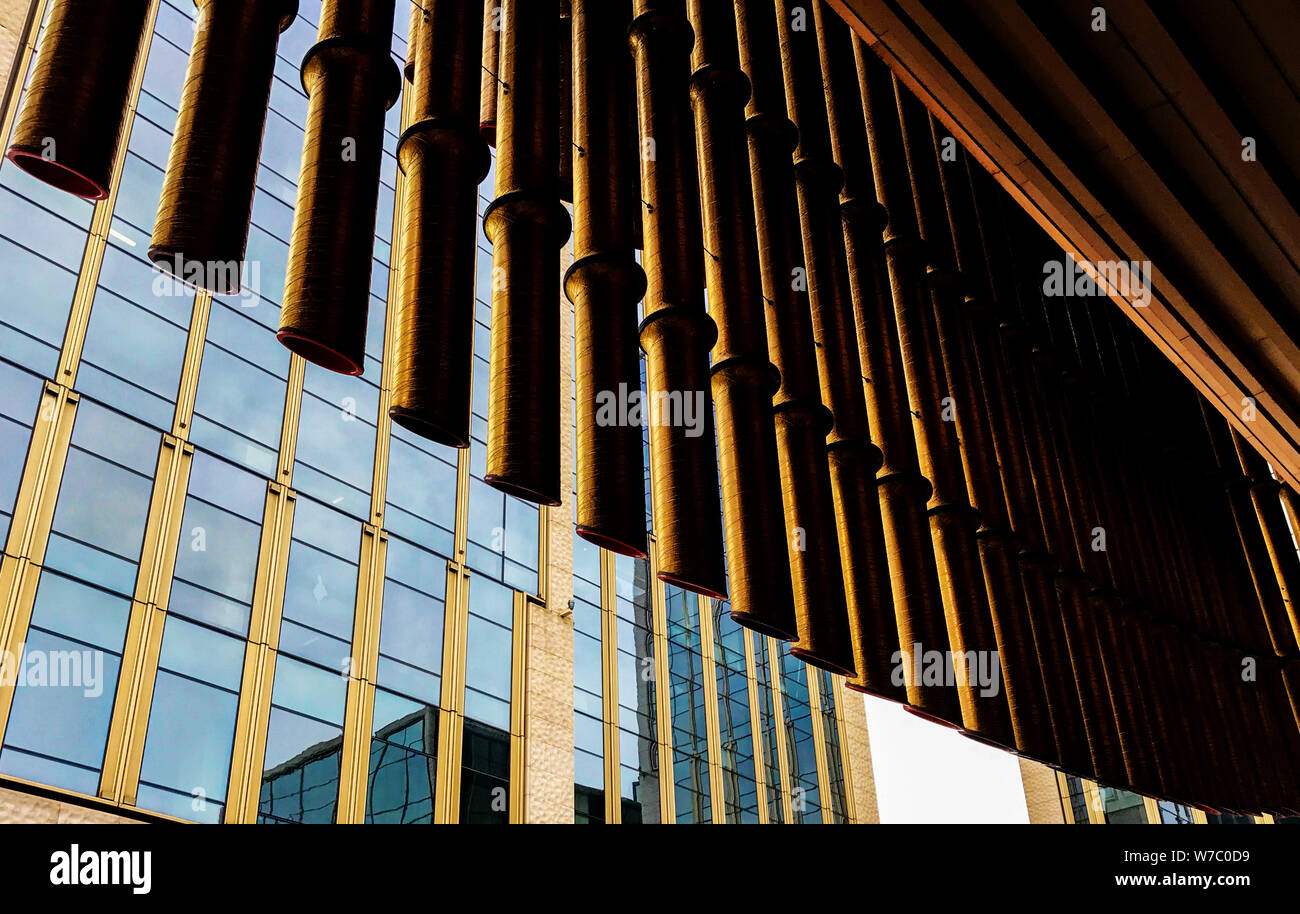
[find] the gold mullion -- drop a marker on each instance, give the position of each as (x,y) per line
(38,488)
(609,688)
(358,715)
(354,761)
(18,75)
(811,675)
(289,423)
(251,720)
(756,727)
(460,539)
(712,724)
(139,667)
(1063,794)
(254,709)
(1096,807)
(97,241)
(778,724)
(191,365)
(841,728)
(663,692)
(519,707)
(1152,810)
(379,479)
(446,809)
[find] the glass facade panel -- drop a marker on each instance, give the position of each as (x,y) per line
(129,375)
(738,780)
(801,751)
(689,713)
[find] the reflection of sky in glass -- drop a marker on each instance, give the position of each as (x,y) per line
(187,752)
(638,724)
(686,686)
(801,751)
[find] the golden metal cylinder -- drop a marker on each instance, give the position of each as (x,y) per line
(828,639)
(1265,495)
(965,346)
(883,248)
(605,282)
(490,87)
(1013,429)
(70,123)
(413,39)
(201,230)
(801,421)
(565,94)
(350,81)
(743,379)
(527,226)
(675,333)
(444,158)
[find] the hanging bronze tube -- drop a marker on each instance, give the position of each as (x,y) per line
(201,230)
(801,421)
(936,413)
(350,81)
(413,39)
(743,379)
(676,333)
(527,226)
(1066,518)
(965,345)
(864,540)
(565,95)
(826,639)
(490,87)
(605,282)
(444,158)
(1013,431)
(893,264)
(1265,494)
(1068,326)
(70,124)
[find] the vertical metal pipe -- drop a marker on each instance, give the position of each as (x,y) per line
(350,81)
(801,420)
(413,39)
(743,379)
(201,230)
(605,282)
(1016,436)
(676,333)
(70,124)
(904,490)
(564,91)
(527,226)
(1266,496)
(444,158)
(828,639)
(939,416)
(864,540)
(966,345)
(490,88)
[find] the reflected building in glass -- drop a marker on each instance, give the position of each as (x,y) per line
(297,612)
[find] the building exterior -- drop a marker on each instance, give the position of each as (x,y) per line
(262,602)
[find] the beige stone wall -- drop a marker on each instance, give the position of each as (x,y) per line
(18,808)
(1042,796)
(548,714)
(13,19)
(862,780)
